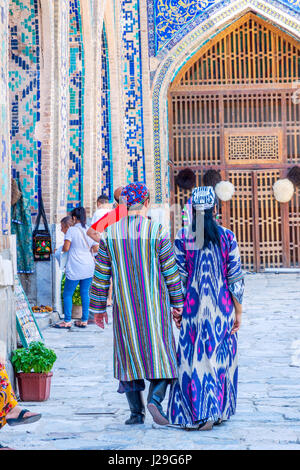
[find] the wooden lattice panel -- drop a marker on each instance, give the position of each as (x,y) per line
(241,215)
(250,51)
(293,127)
(232,107)
(180,199)
(268,219)
(294,225)
(249,146)
(255,110)
(195,129)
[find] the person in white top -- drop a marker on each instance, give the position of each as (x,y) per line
(103,208)
(65,224)
(79,268)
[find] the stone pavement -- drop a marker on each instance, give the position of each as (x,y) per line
(85,411)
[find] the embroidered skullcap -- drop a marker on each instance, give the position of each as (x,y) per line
(203,198)
(134,194)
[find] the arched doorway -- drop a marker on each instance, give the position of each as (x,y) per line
(231,108)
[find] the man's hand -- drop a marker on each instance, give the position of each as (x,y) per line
(177,316)
(99,319)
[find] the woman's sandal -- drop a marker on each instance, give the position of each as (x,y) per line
(218,422)
(207,426)
(60,327)
(80,324)
(22,420)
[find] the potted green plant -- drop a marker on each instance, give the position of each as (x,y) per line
(76,300)
(33,367)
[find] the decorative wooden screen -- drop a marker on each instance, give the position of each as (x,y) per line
(232,108)
(253,146)
(250,51)
(269,243)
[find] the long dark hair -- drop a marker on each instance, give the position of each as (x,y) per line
(211,231)
(80,214)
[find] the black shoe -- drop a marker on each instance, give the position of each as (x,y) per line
(156,395)
(135,419)
(137,408)
(218,422)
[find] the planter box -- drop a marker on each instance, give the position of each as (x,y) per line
(77,312)
(33,386)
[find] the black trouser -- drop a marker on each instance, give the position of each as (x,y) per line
(134,389)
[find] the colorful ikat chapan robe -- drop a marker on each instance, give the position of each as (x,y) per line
(146,282)
(206,388)
(7,396)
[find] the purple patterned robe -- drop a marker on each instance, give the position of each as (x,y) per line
(206,388)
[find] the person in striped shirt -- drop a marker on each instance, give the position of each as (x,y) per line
(136,252)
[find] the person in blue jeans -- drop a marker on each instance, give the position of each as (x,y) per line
(79,268)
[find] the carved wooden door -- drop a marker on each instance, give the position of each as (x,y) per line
(232,108)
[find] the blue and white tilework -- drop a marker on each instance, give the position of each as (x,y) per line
(24,89)
(132,89)
(63,126)
(169,21)
(4,123)
(106,151)
(76,111)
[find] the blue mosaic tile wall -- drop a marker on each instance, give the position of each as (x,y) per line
(4,123)
(169,20)
(63,145)
(76,112)
(24,87)
(133,93)
(106,151)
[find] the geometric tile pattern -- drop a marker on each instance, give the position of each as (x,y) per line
(132,89)
(76,110)
(4,123)
(63,102)
(171,16)
(106,152)
(24,88)
(169,21)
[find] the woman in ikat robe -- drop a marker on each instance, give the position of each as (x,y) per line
(206,390)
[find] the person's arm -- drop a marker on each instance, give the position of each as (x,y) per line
(235,279)
(171,275)
(238,316)
(94,235)
(95,248)
(180,257)
(66,246)
(68,240)
(100,285)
